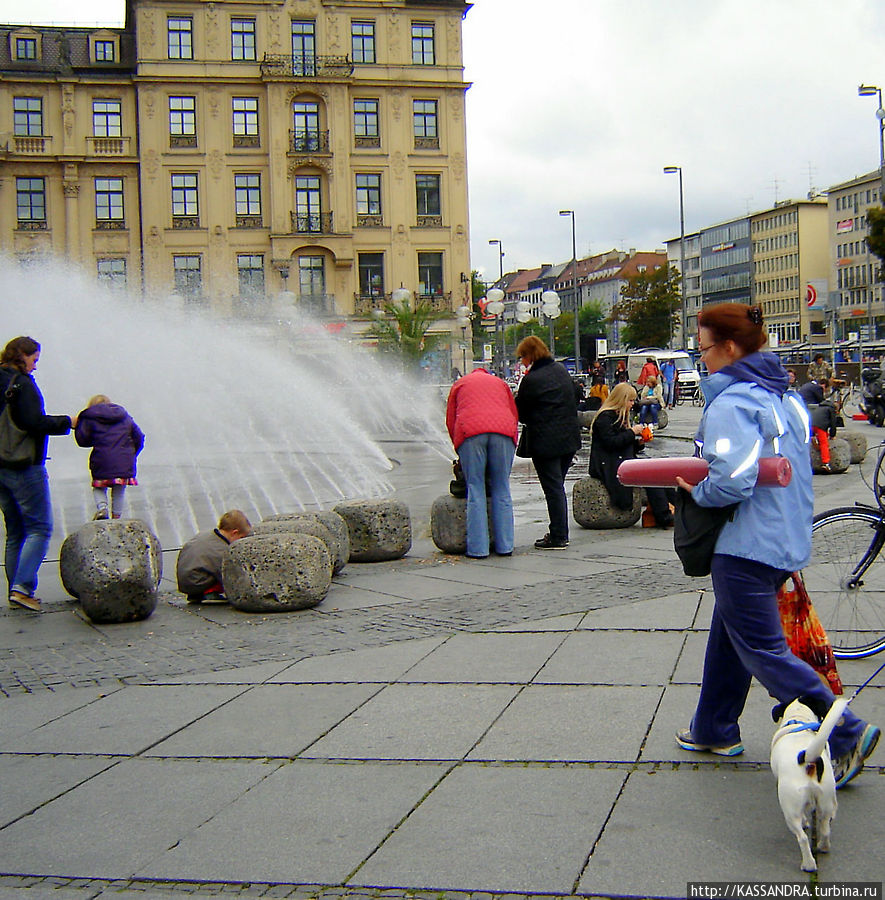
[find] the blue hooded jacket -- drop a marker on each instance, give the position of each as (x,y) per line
(750,414)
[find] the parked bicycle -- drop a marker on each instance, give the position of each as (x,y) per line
(846,575)
(687,394)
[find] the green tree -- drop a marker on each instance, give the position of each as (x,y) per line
(404,331)
(876,237)
(649,307)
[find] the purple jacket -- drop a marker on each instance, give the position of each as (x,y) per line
(115,438)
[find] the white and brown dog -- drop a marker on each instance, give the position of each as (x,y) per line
(800,760)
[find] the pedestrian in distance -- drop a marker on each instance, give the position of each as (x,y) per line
(668,383)
(750,414)
(551,434)
(482,423)
(116,441)
(650,368)
(820,369)
(198,568)
(24,485)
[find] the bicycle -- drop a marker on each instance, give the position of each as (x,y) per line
(681,395)
(846,575)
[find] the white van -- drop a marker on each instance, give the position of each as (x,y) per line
(686,372)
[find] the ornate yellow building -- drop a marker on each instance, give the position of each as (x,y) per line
(230,150)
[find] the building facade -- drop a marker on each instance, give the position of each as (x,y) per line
(690,285)
(237,150)
(726,262)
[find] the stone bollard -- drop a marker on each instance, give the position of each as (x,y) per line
(276,572)
(448,523)
(113,568)
(840,456)
(379,529)
(857,444)
(340,549)
(586,417)
(592,507)
(309,524)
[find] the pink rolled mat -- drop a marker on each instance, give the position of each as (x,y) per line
(774,471)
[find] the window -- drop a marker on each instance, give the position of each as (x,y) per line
(362,42)
(424,124)
(306,136)
(185,201)
(104,51)
(27,115)
(107,118)
(304,61)
(422,44)
(365,123)
(109,203)
(311,276)
(242,39)
(371,271)
(428,205)
(245,121)
(181,44)
(430,280)
(247,199)
(26,48)
(182,121)
(250,275)
(112,272)
(31,202)
(308,211)
(368,199)
(188,278)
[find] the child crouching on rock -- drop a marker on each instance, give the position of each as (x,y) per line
(116,441)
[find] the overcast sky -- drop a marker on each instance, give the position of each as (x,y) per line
(579,104)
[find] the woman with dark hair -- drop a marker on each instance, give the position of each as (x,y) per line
(750,414)
(24,487)
(551,434)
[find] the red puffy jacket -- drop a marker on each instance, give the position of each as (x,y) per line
(480,403)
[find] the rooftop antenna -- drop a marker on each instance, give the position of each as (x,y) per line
(812,190)
(775,184)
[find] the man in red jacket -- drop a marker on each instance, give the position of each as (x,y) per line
(482,422)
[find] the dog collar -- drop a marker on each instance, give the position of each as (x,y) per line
(801,726)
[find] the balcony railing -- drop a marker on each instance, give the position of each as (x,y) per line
(182,141)
(427,143)
(308,141)
(365,304)
(438,302)
(32,145)
(305,66)
(32,225)
(317,304)
(110,225)
(312,223)
(185,222)
(107,146)
(369,220)
(367,141)
(429,222)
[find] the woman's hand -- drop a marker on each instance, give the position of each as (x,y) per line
(637,430)
(683,483)
(74,419)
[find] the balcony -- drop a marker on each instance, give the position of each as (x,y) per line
(107,146)
(32,145)
(305,66)
(317,304)
(366,304)
(441,302)
(308,141)
(311,223)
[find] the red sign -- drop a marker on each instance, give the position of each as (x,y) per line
(844,225)
(810,295)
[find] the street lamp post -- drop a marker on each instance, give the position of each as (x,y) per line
(571,212)
(871,90)
(499,319)
(673,170)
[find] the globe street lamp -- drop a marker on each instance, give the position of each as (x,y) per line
(571,212)
(673,170)
(498,320)
(871,90)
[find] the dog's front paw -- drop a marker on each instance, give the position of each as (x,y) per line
(823,845)
(809,865)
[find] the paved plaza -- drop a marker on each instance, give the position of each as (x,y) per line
(437,727)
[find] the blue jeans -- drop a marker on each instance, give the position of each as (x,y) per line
(27,511)
(669,393)
(648,412)
(747,640)
(492,454)
(551,473)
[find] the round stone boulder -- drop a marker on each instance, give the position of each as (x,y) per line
(448,523)
(340,546)
(840,456)
(592,507)
(113,568)
(379,529)
(857,444)
(306,526)
(276,572)
(586,417)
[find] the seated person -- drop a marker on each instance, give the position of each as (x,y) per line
(811,392)
(612,440)
(823,427)
(651,399)
(596,395)
(198,568)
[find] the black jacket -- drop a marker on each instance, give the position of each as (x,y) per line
(610,444)
(27,410)
(824,416)
(549,411)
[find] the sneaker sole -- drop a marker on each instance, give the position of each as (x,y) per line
(869,740)
(34,606)
(734,750)
(553,547)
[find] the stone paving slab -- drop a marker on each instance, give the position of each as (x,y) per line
(554,623)
(674,612)
(25,712)
(260,674)
(306,823)
(499,828)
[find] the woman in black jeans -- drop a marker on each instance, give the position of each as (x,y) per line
(551,434)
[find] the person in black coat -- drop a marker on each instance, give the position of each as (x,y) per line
(614,439)
(551,434)
(24,487)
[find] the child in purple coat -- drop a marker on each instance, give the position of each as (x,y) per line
(115,440)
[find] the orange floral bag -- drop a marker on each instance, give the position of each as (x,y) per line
(804,633)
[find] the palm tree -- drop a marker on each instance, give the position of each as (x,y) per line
(403,331)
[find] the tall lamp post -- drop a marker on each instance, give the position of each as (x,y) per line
(500,317)
(677,170)
(871,90)
(571,212)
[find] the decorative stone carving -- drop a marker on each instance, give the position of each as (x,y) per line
(378,529)
(592,508)
(215,162)
(148,103)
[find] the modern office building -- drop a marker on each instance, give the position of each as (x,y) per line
(690,285)
(726,262)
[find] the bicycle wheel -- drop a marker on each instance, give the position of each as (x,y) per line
(697,398)
(846,579)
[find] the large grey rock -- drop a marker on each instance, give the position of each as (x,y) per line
(592,507)
(113,568)
(857,444)
(840,456)
(319,525)
(448,523)
(276,572)
(379,529)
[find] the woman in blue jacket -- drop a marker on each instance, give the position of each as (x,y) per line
(749,414)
